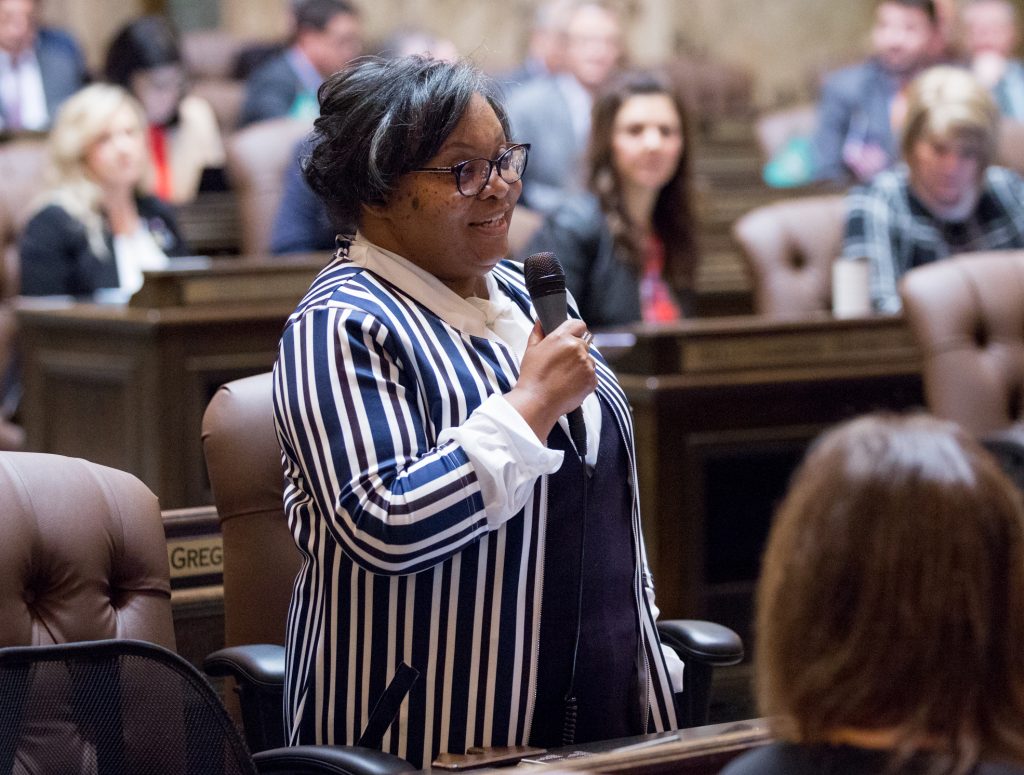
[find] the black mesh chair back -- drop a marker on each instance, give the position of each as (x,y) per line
(112,707)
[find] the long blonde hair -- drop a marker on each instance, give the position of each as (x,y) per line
(80,122)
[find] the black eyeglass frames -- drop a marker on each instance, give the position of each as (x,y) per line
(471,176)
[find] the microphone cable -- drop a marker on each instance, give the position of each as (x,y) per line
(571,704)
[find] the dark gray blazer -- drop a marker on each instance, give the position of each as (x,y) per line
(270,91)
(540,116)
(605,286)
(61,66)
(854,107)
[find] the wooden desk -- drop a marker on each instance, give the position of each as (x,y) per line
(724,410)
(126,386)
(724,407)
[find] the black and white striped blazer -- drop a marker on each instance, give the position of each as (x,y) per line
(400,563)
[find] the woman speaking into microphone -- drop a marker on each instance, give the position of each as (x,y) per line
(445,518)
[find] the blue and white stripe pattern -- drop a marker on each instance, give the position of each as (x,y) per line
(400,563)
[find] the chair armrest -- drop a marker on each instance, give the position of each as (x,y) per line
(258,664)
(1007,446)
(707,642)
(334,759)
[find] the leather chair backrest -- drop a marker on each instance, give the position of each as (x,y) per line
(83,554)
(789,247)
(1010,149)
(260,558)
(775,128)
(967,315)
(257,158)
(21,170)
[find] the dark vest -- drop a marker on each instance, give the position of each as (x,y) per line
(607,685)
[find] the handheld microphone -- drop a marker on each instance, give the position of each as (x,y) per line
(545,280)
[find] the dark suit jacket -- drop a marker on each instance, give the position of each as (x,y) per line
(540,116)
(270,91)
(302,223)
(61,66)
(57,258)
(854,107)
(605,286)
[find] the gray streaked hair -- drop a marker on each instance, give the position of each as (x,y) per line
(380,119)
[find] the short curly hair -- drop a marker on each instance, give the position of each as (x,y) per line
(380,119)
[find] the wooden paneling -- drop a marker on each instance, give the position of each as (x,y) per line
(724,410)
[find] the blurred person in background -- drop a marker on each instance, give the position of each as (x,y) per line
(554,112)
(184,139)
(860,104)
(947,198)
(95,227)
(544,48)
(302,223)
(628,246)
(40,67)
(990,40)
(328,35)
(890,609)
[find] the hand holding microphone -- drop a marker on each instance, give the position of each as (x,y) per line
(557,372)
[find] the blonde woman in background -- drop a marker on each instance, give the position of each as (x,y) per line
(95,226)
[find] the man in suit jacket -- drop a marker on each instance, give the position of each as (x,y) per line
(855,138)
(553,113)
(328,34)
(39,68)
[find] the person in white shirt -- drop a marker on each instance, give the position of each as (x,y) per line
(39,68)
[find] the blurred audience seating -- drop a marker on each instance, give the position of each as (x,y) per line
(789,247)
(966,314)
(775,128)
(210,57)
(83,555)
(1011,145)
(21,170)
(257,157)
(714,90)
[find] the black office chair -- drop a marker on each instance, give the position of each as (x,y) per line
(120,707)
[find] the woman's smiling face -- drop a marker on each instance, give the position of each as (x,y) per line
(456,238)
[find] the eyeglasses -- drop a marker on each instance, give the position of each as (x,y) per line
(472,175)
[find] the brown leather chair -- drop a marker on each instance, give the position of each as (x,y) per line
(260,558)
(261,562)
(209,57)
(967,315)
(1010,149)
(775,128)
(21,168)
(83,555)
(257,158)
(789,247)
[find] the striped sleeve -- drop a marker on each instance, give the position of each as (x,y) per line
(353,425)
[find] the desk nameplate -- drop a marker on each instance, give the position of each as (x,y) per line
(195,550)
(796,349)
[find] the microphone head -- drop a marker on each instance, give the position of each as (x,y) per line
(544,275)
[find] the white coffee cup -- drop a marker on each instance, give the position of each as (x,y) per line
(850,294)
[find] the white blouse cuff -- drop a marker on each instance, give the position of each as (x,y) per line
(506,455)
